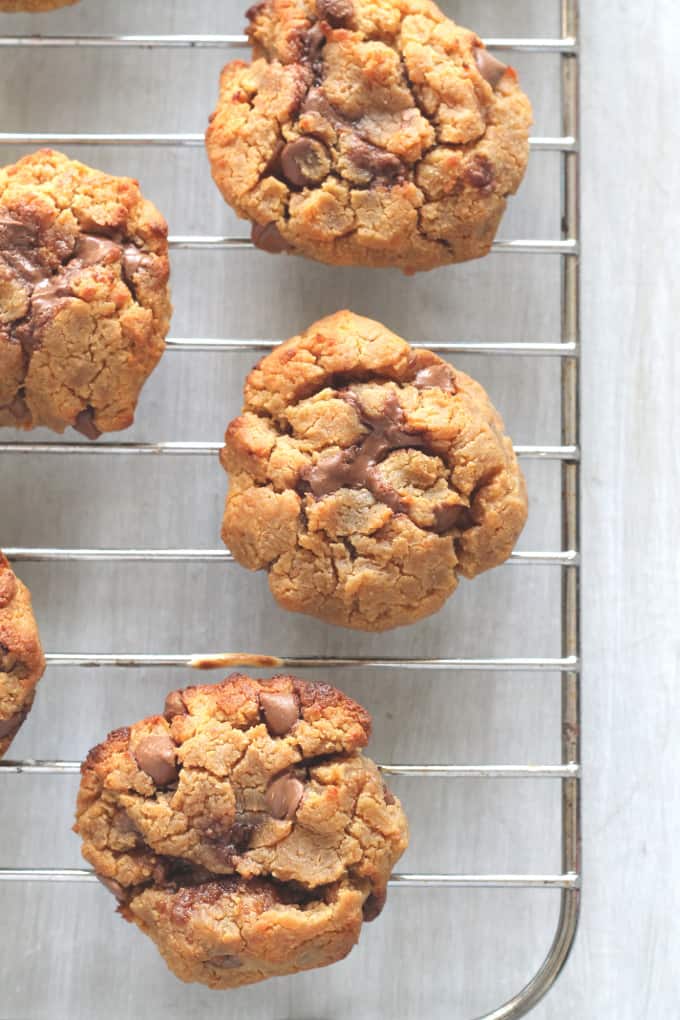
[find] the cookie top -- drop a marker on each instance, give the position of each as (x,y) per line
(368,132)
(84,302)
(366,475)
(21,658)
(243,830)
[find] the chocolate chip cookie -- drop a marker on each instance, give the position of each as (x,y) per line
(34,6)
(365,476)
(84,301)
(243,830)
(21,658)
(368,132)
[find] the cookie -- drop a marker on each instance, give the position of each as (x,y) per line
(365,476)
(84,301)
(243,830)
(22,662)
(368,132)
(34,6)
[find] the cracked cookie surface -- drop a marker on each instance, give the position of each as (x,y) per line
(21,658)
(84,300)
(243,830)
(365,476)
(368,133)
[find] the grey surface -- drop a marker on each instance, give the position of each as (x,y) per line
(432,954)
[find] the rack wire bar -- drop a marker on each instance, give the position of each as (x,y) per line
(30,766)
(191,139)
(559,453)
(566,881)
(26,555)
(511,348)
(221,660)
(567,455)
(151,42)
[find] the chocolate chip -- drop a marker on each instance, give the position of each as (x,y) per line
(133,261)
(336,12)
(242,830)
(447,517)
(383,166)
(84,423)
(388,795)
(304,161)
(480,173)
(352,468)
(114,887)
(92,250)
(283,797)
(373,905)
(17,234)
(281,711)
(440,376)
(491,70)
(19,408)
(224,962)
(174,705)
(8,727)
(314,42)
(156,756)
(268,237)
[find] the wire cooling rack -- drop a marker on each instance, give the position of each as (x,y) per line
(568,665)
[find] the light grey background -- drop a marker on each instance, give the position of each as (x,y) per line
(63,954)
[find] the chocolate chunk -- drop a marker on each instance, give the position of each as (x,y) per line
(304,161)
(281,711)
(17,234)
(242,830)
(19,408)
(19,249)
(383,166)
(92,249)
(447,517)
(480,173)
(8,727)
(352,468)
(48,295)
(174,705)
(156,756)
(283,796)
(316,102)
(491,70)
(336,12)
(314,42)
(268,237)
(440,376)
(114,887)
(388,795)
(224,962)
(373,905)
(133,260)
(84,423)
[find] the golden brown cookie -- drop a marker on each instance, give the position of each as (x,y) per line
(368,132)
(34,6)
(84,300)
(22,662)
(365,476)
(243,830)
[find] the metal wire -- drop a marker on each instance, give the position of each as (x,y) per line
(22,555)
(567,454)
(560,453)
(150,42)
